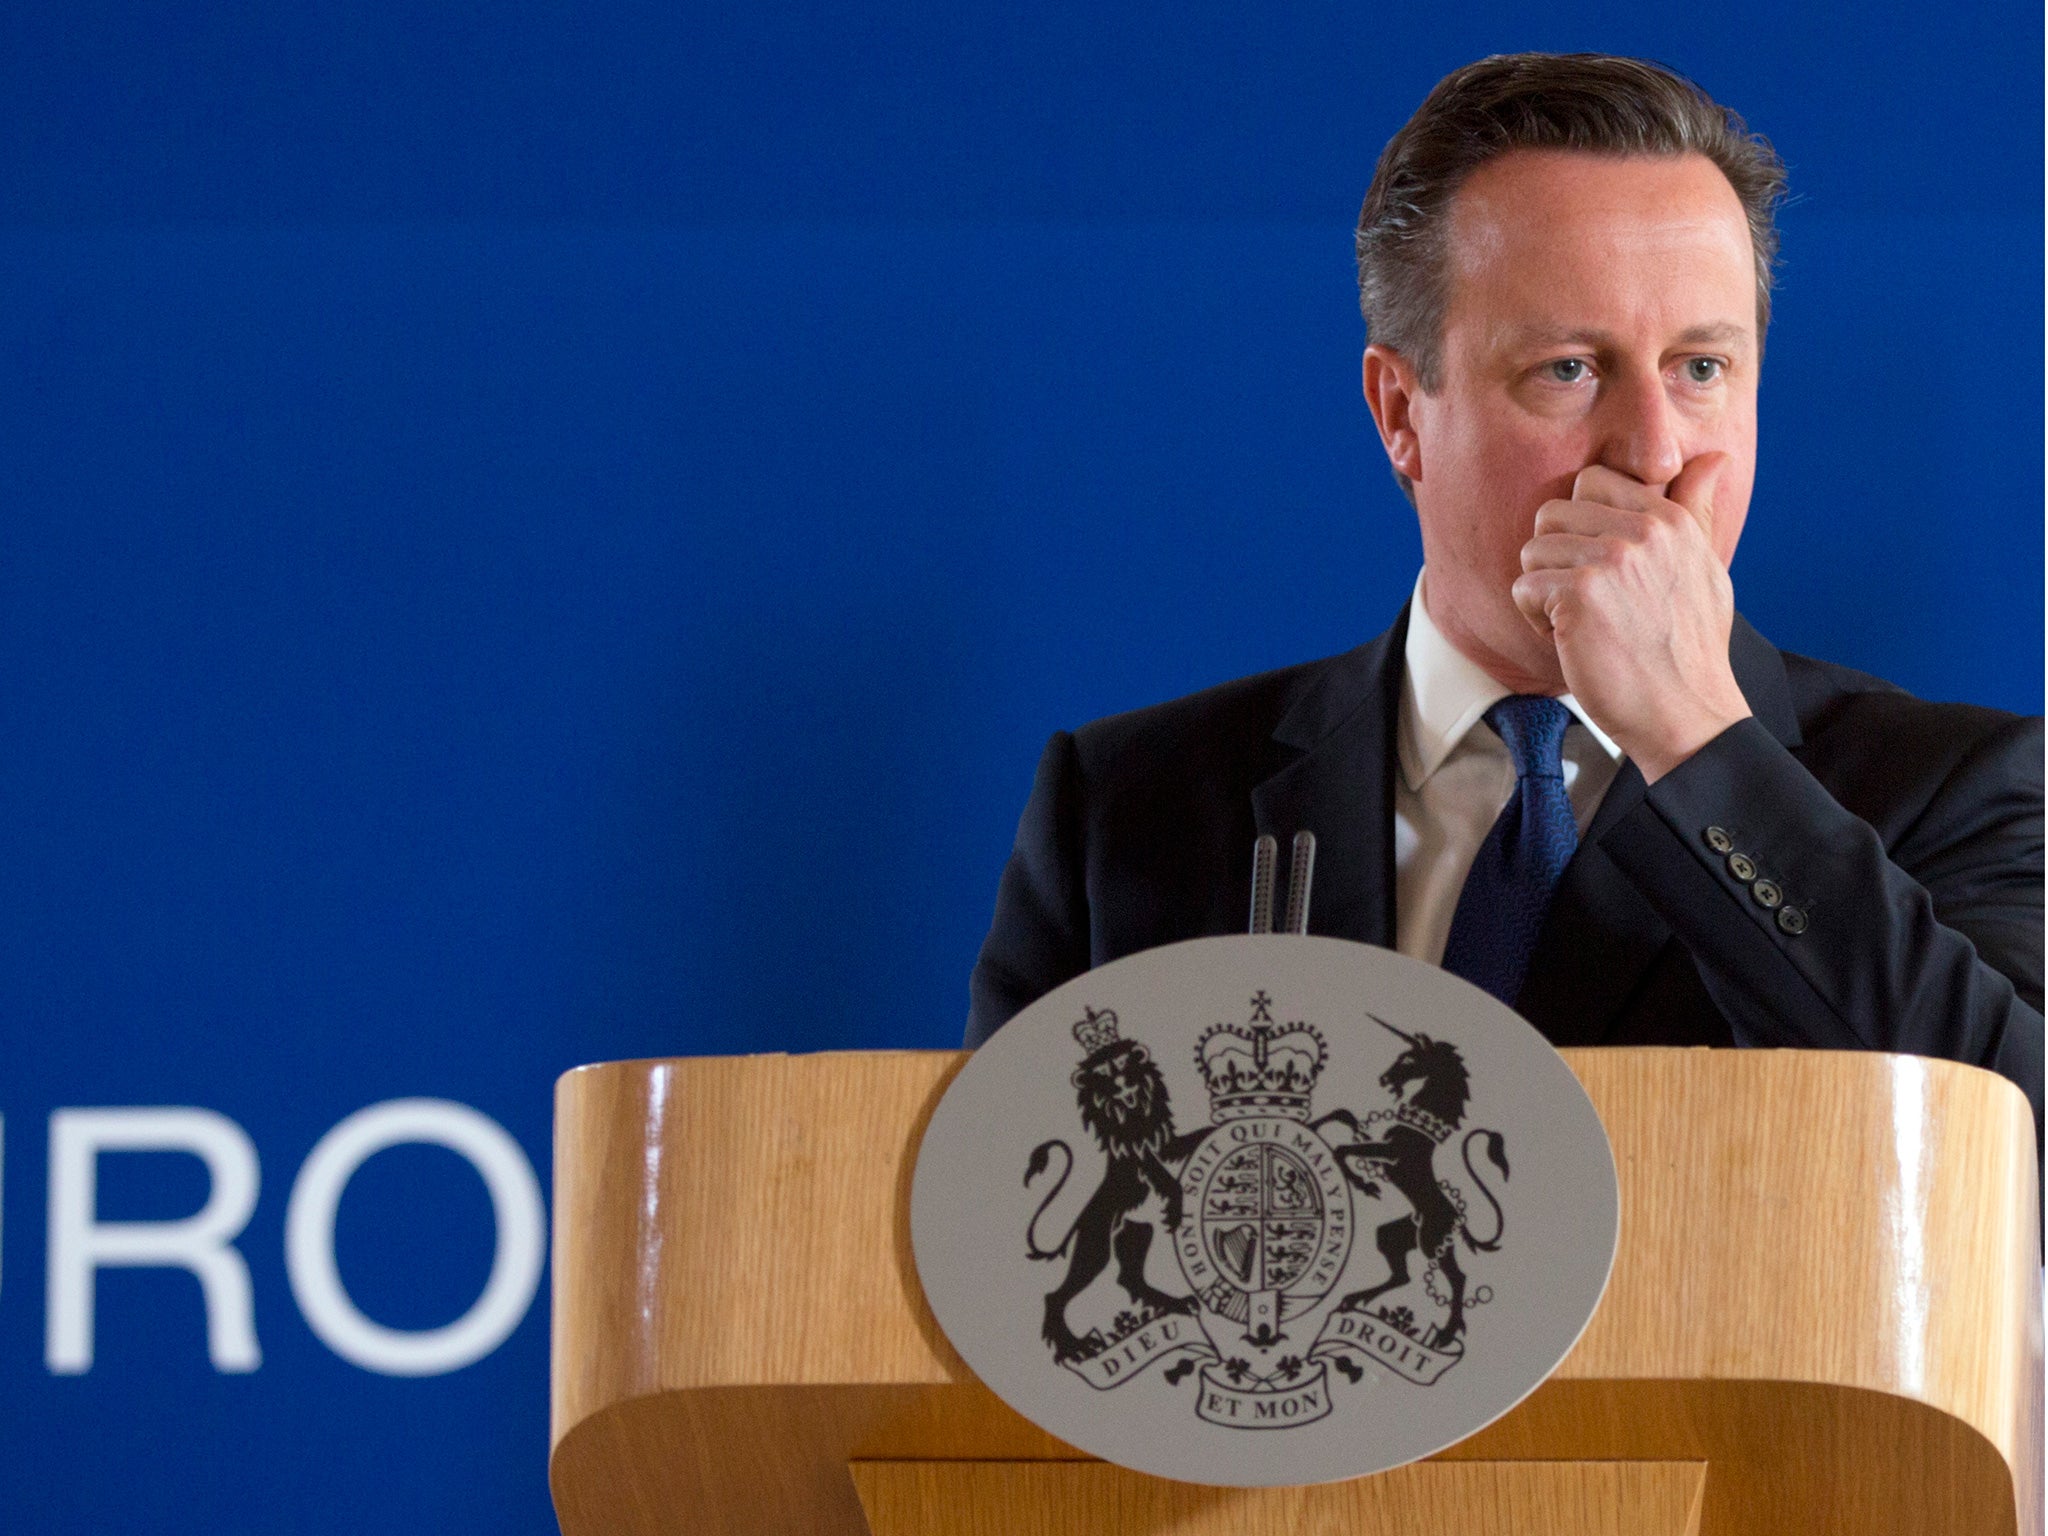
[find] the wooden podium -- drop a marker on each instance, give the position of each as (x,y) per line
(1824,1318)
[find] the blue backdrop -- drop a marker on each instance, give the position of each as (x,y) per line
(531,535)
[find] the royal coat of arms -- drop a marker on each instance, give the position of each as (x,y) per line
(1238,1210)
(1260,1209)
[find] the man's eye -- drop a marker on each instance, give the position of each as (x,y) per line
(1702,370)
(1567,370)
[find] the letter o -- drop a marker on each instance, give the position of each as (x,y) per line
(515,1266)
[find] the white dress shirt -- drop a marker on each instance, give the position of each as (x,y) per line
(1456,777)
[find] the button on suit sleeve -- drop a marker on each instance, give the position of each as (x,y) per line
(1932,946)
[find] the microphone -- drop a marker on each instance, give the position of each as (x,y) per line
(1301,867)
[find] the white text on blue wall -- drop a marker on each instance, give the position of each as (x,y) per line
(80,1244)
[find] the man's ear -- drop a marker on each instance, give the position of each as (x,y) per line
(1390,389)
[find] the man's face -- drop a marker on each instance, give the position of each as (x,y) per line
(1602,311)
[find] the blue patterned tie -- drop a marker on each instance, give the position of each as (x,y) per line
(1500,911)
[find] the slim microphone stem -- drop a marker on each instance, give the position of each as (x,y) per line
(1265,853)
(1301,869)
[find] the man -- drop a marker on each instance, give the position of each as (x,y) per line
(1570,771)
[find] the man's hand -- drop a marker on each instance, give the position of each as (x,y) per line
(1627,585)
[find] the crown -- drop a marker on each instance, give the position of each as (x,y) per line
(1097,1031)
(1260,1069)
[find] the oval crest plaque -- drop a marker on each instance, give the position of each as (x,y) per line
(1264,1209)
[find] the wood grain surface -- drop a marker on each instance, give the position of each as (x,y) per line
(1088,1498)
(1827,1291)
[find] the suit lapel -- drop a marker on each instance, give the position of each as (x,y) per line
(1759,670)
(1598,940)
(1341,788)
(1597,913)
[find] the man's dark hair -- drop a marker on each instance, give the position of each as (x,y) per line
(1576,101)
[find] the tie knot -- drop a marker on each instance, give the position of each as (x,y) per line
(1533,728)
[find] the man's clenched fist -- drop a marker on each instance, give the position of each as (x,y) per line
(1627,585)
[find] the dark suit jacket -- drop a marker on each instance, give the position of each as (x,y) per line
(1908,835)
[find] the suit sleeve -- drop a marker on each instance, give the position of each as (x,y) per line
(1039,937)
(1810,932)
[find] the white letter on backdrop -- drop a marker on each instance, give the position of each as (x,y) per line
(81,1244)
(515,1267)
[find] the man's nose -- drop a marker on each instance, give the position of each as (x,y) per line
(1641,431)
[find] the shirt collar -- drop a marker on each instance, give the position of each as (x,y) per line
(1445,693)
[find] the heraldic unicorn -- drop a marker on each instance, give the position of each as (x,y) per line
(1260,1208)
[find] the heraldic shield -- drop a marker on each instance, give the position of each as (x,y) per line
(1313,1242)
(1269,1222)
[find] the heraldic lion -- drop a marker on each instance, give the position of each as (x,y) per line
(1123,1103)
